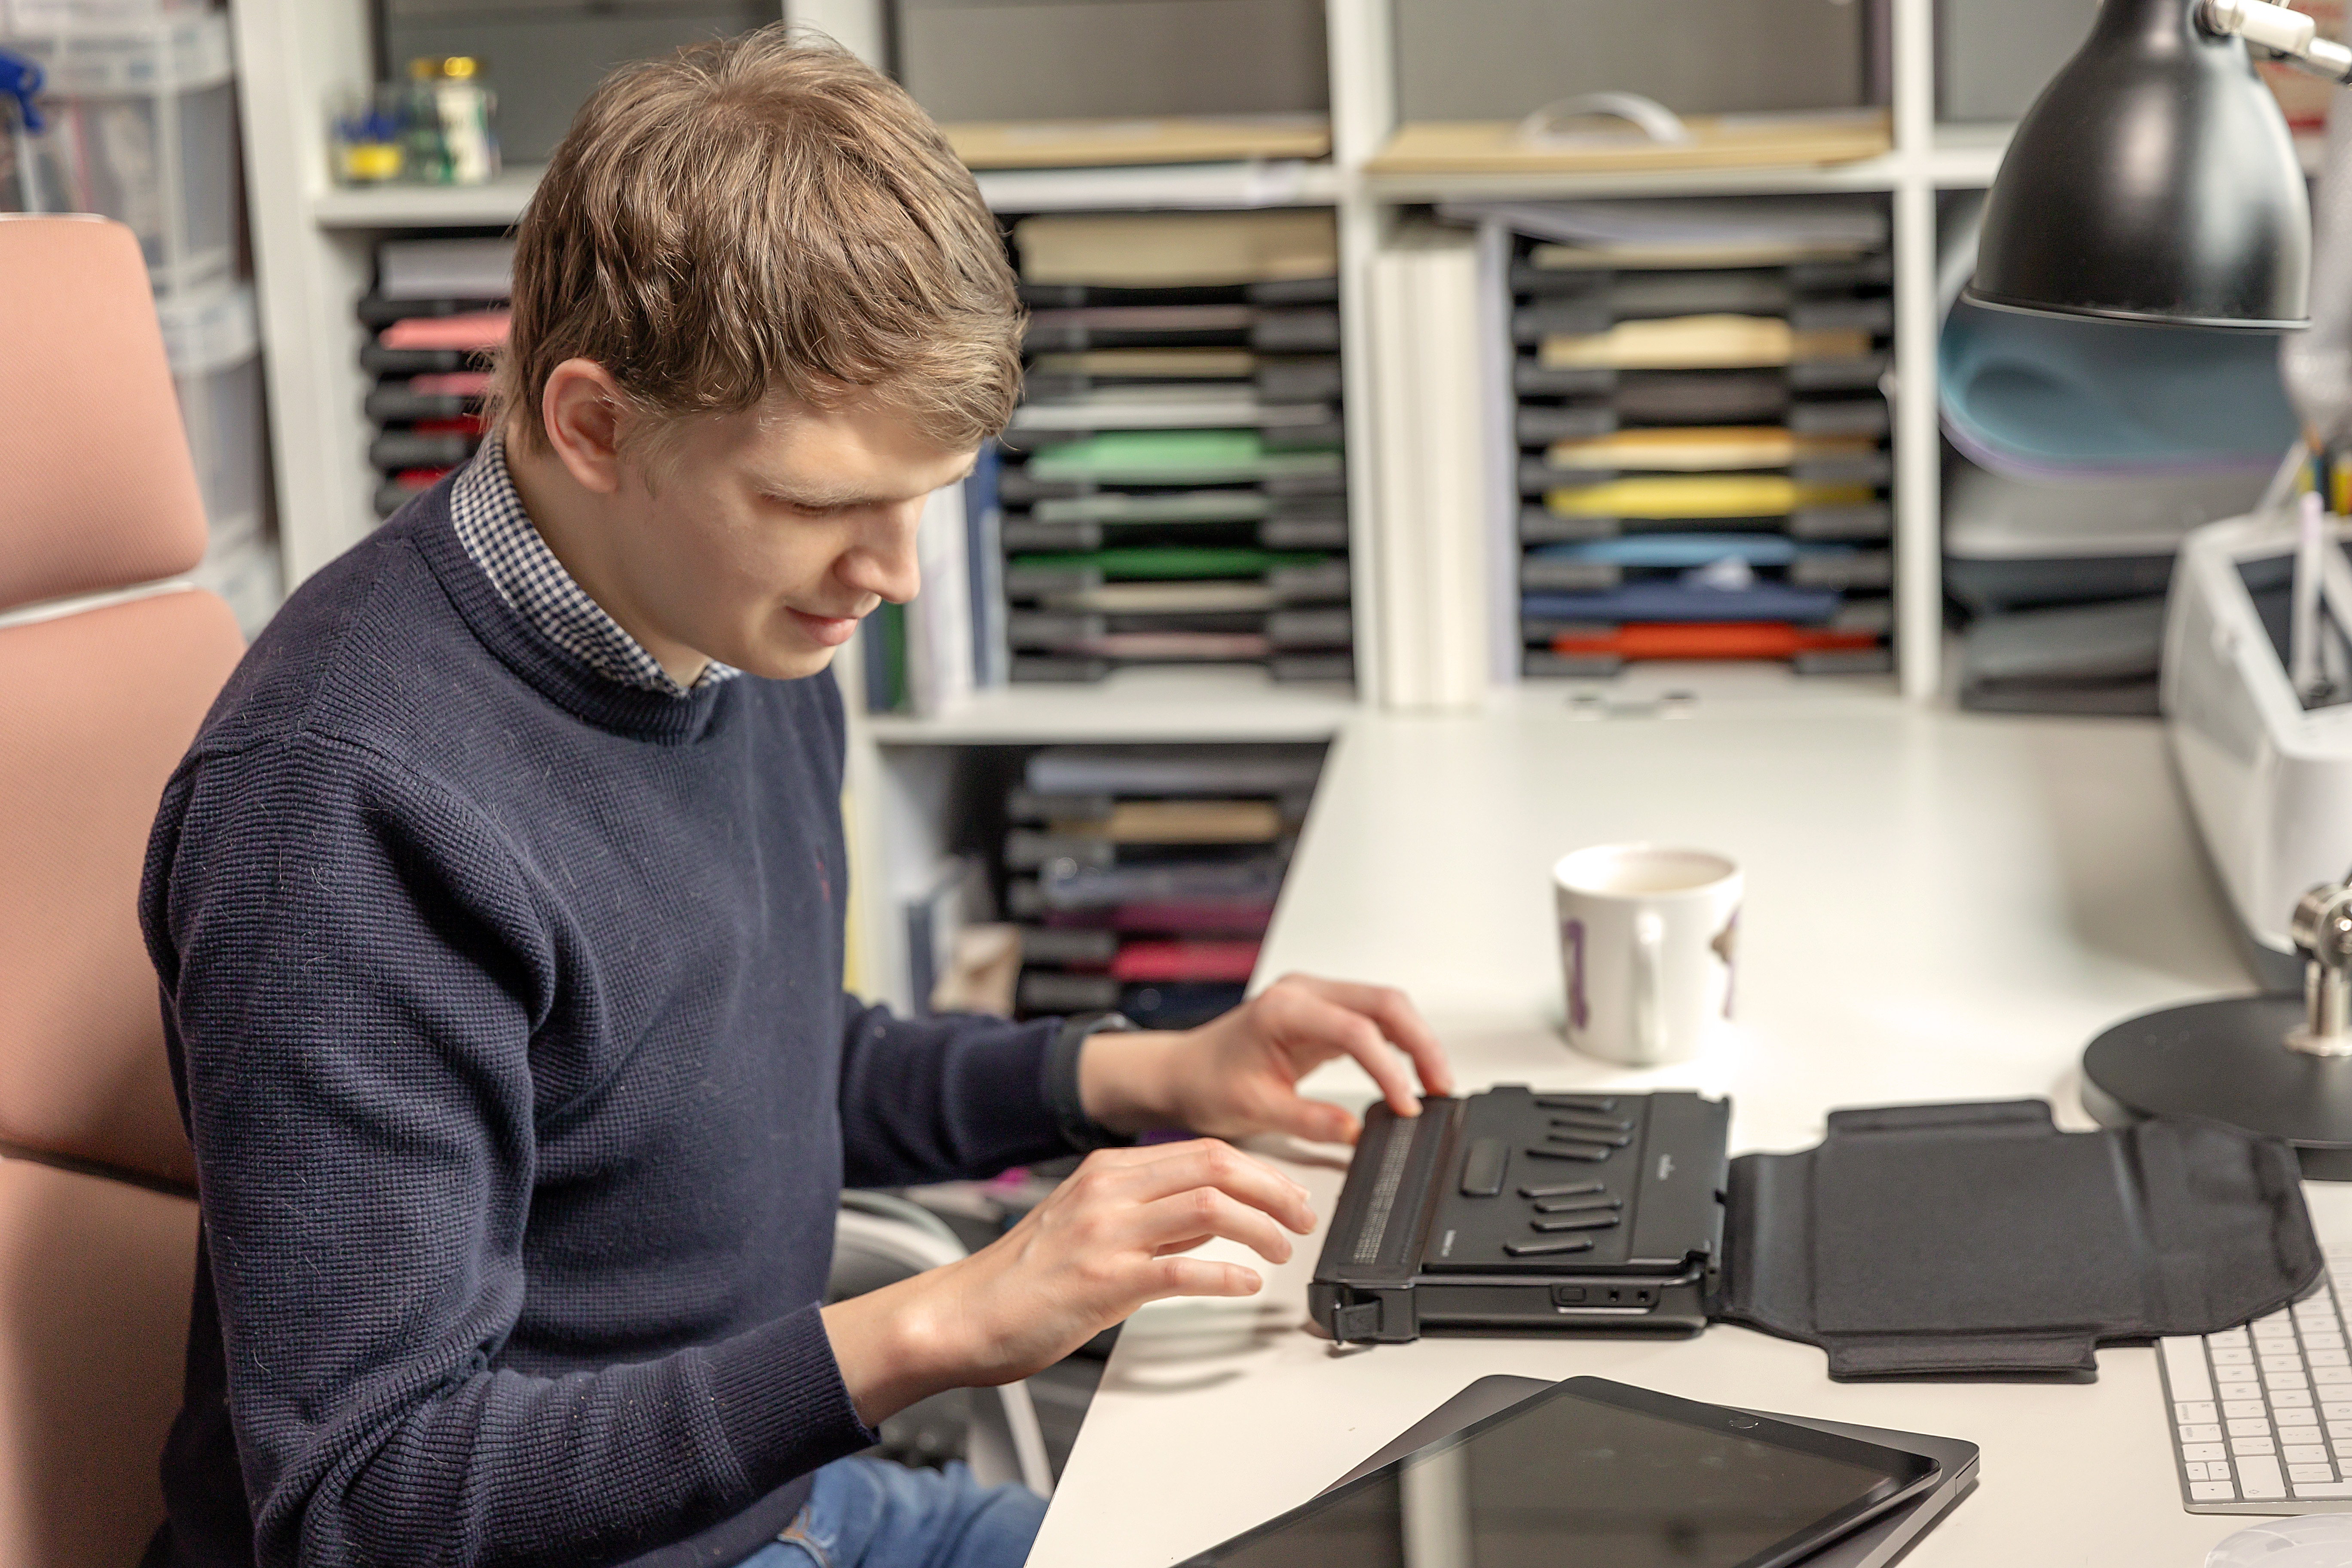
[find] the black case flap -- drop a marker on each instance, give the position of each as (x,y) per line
(1978,1240)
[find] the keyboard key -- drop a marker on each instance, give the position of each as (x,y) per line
(2323,1489)
(2328,1358)
(2202,1410)
(2242,1428)
(2331,1377)
(2240,1410)
(2195,1470)
(2295,1396)
(2259,1478)
(2304,1454)
(2310,1473)
(2286,1416)
(2235,1390)
(2212,1492)
(2203,1431)
(2227,1337)
(2283,1363)
(2203,1451)
(2184,1367)
(2218,1470)
(2229,1355)
(2242,1447)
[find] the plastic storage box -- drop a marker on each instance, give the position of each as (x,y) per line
(58,16)
(213,344)
(142,129)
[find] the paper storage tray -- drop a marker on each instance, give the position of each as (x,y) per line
(213,344)
(142,129)
(248,573)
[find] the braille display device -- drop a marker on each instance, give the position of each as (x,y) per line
(1526,1209)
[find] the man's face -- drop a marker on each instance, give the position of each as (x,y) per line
(759,539)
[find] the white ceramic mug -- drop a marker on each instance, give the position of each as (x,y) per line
(1646,937)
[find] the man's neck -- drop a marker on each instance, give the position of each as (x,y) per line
(575,524)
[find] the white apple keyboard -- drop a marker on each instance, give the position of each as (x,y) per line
(2262,1417)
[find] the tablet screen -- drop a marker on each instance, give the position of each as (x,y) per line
(1616,1476)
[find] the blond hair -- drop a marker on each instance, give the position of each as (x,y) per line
(764,215)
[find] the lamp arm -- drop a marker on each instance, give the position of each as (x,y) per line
(2290,35)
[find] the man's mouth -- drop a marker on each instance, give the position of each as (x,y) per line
(829,631)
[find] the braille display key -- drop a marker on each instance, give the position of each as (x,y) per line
(1578,1222)
(1586,1135)
(1590,1153)
(1577,1205)
(1585,1119)
(1563,1189)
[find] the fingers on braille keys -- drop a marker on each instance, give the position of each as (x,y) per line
(1547,1248)
(1578,1222)
(1577,1205)
(1563,1189)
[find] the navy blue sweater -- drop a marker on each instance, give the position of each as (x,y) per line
(505,1006)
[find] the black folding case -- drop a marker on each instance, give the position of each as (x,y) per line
(1971,1239)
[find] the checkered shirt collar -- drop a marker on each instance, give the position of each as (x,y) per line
(497,532)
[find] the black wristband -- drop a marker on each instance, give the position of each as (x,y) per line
(1079,1130)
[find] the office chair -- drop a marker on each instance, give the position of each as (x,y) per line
(105,672)
(879,1240)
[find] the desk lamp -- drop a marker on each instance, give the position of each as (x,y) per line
(2154,181)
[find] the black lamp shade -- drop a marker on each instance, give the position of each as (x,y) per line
(2153,179)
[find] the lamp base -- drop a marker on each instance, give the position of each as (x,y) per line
(2227,1061)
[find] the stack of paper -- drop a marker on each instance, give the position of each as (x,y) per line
(1702,462)
(437,309)
(1173,486)
(1143,877)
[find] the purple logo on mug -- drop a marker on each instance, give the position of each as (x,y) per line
(1573,931)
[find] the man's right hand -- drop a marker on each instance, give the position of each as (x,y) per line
(1105,1242)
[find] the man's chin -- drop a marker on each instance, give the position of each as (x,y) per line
(786,663)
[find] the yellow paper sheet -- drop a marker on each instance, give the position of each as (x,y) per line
(1700,343)
(1703,448)
(1713,495)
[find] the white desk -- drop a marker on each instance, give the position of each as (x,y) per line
(1940,907)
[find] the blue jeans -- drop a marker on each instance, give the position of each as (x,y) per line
(870,1513)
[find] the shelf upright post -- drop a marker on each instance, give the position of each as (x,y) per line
(290,55)
(1918,451)
(856,26)
(1360,45)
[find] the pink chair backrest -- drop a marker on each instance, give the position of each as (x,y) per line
(97,1251)
(100,490)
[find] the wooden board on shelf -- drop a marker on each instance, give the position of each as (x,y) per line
(1717,141)
(1095,143)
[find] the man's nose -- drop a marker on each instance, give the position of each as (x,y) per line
(882,561)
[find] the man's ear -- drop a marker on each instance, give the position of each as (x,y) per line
(584,411)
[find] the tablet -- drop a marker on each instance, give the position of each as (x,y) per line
(1619,1477)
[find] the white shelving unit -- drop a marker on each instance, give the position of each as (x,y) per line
(314,248)
(314,245)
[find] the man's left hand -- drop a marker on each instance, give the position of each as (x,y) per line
(1238,1075)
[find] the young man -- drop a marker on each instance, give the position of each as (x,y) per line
(498,910)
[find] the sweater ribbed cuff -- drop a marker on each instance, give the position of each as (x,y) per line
(782,1402)
(1079,1130)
